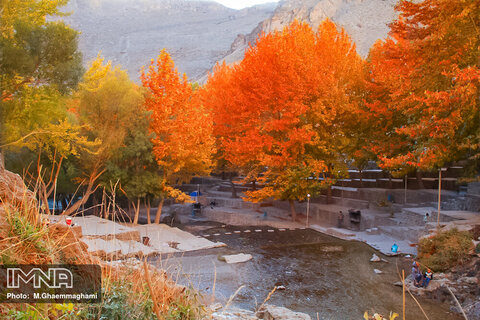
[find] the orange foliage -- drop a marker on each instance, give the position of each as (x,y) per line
(425,85)
(283,109)
(183,140)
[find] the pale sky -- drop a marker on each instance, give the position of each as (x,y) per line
(240,4)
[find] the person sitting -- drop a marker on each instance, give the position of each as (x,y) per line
(394,248)
(417,275)
(414,268)
(427,277)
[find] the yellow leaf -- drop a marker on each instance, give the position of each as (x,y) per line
(393,316)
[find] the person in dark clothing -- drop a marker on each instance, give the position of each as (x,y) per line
(340,220)
(213,203)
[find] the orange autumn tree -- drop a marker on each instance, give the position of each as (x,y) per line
(183,141)
(424,85)
(279,115)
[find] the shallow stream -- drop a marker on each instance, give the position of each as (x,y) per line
(321,274)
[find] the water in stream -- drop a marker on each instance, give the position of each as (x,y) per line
(321,274)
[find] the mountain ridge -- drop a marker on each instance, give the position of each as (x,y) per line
(131,33)
(365,21)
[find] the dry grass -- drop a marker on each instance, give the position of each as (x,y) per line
(127,294)
(445,249)
(154,291)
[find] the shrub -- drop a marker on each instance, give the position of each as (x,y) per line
(445,250)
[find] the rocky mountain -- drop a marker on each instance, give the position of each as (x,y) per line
(132,32)
(365,21)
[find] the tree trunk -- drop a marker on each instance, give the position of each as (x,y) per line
(159,212)
(418,175)
(254,185)
(292,209)
(137,212)
(104,210)
(45,201)
(234,191)
(2,160)
(147,204)
(90,190)
(329,194)
(64,202)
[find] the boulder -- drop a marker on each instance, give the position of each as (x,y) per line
(236,258)
(234,314)
(14,192)
(271,312)
(375,258)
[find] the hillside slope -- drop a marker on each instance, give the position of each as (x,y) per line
(132,32)
(365,21)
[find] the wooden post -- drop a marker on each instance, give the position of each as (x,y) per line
(403,293)
(406,182)
(308,207)
(439,196)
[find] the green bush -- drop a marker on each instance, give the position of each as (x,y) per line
(118,304)
(445,250)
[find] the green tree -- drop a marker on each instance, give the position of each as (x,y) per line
(134,165)
(39,63)
(105,103)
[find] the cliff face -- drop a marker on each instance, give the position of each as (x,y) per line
(199,33)
(365,21)
(132,32)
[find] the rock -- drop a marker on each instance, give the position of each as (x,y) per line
(473,310)
(344,13)
(469,280)
(169,218)
(375,258)
(234,314)
(14,192)
(236,258)
(271,312)
(377,271)
(398,284)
